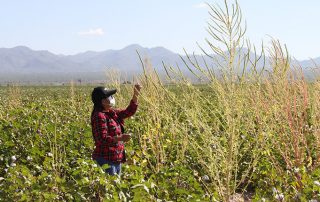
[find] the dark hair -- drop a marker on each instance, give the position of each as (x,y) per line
(97,106)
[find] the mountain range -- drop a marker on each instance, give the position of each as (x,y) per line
(22,64)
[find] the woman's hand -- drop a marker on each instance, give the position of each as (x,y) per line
(137,88)
(136,92)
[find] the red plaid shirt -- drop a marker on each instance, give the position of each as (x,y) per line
(107,125)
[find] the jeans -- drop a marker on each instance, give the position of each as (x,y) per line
(115,168)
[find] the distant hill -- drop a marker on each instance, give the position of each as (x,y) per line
(25,65)
(24,60)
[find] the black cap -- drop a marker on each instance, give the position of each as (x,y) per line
(100,92)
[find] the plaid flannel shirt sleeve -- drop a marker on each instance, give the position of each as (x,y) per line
(100,129)
(129,111)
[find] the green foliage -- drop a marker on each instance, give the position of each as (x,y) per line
(46,146)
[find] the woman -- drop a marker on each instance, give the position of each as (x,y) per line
(107,128)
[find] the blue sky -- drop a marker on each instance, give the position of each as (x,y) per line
(73,26)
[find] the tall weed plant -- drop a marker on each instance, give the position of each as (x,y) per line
(250,128)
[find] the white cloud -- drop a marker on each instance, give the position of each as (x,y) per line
(92,32)
(201,5)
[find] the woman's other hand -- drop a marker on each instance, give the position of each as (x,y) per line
(126,137)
